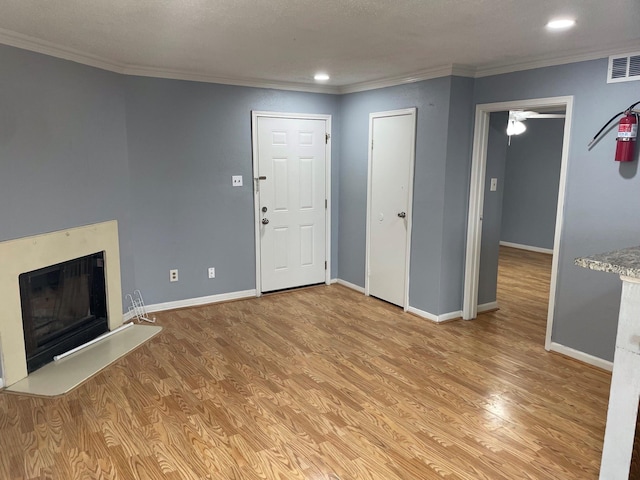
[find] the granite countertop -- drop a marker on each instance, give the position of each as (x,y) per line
(623,262)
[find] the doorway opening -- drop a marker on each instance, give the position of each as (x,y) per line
(479,195)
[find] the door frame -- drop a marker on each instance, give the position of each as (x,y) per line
(255,114)
(476,200)
(372,116)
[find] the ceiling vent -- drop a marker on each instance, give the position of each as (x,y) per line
(624,68)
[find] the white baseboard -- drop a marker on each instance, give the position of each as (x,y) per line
(487,306)
(1,382)
(527,247)
(194,302)
(332,281)
(435,318)
(581,356)
(350,285)
(128,316)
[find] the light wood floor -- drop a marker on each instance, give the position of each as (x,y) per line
(325,383)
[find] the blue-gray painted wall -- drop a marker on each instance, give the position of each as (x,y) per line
(63,149)
(162,152)
(531,181)
(456,196)
(600,211)
(186,140)
(441,174)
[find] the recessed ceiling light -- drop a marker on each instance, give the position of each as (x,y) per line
(561,24)
(321,77)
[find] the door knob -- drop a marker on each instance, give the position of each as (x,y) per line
(265,221)
(402,214)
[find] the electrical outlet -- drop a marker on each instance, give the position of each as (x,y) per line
(173,275)
(236,180)
(212,272)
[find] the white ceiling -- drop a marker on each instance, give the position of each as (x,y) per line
(284,42)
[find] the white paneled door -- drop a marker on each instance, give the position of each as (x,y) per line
(392,144)
(291,201)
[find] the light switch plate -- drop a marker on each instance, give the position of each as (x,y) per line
(494,184)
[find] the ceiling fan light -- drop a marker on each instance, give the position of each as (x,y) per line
(515,127)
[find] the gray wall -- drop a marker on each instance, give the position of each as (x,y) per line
(600,211)
(493,207)
(186,140)
(441,176)
(63,150)
(456,195)
(162,152)
(531,184)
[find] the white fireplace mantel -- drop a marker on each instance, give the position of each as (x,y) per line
(31,253)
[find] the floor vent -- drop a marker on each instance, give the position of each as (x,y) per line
(624,68)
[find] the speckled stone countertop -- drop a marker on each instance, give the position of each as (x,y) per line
(623,262)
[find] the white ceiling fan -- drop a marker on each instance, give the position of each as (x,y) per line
(516,117)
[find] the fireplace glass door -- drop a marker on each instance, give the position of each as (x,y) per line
(63,306)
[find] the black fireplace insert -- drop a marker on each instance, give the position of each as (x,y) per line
(63,306)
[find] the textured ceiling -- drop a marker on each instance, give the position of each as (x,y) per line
(286,41)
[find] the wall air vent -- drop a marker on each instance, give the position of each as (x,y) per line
(624,68)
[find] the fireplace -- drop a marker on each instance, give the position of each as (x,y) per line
(63,306)
(29,254)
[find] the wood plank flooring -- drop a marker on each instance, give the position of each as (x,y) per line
(325,384)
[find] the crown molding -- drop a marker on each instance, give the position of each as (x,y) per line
(499,69)
(25,42)
(237,81)
(427,74)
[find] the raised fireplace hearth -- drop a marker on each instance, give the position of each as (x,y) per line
(29,254)
(63,307)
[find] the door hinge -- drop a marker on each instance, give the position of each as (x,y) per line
(327,136)
(325,264)
(326,203)
(371,144)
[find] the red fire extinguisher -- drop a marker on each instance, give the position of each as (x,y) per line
(627,134)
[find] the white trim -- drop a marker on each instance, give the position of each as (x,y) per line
(238,81)
(530,248)
(420,75)
(128,316)
(485,307)
(1,382)
(372,116)
(474,221)
(350,285)
(195,302)
(476,199)
(333,281)
(435,318)
(581,356)
(498,69)
(33,44)
(255,114)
